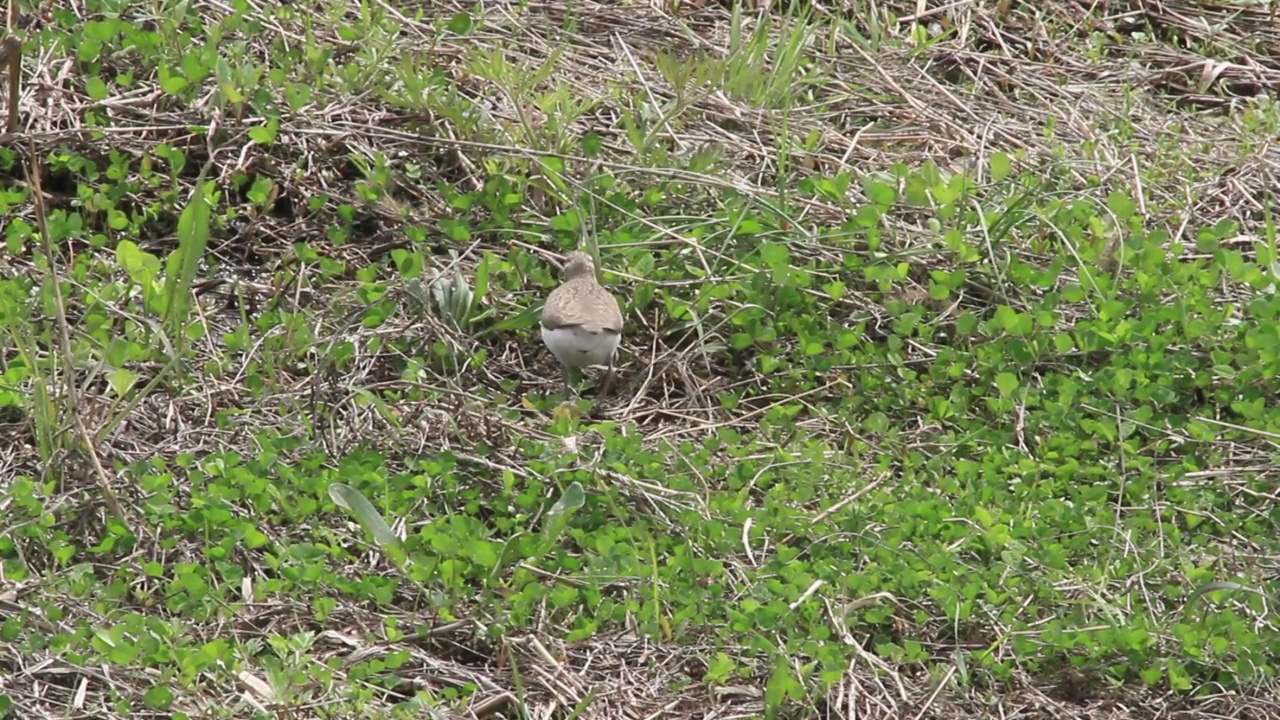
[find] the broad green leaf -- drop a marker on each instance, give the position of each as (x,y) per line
(774,255)
(140,265)
(354,502)
(1007,383)
(574,497)
(460,23)
(779,687)
(1000,166)
(879,193)
(158,697)
(184,262)
(557,518)
(122,381)
(1121,204)
(481,290)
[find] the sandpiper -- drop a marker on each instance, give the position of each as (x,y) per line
(581,321)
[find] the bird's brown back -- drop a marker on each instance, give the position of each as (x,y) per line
(581,301)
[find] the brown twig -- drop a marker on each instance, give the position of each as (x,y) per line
(11,51)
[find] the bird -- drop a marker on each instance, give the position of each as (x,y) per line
(581,320)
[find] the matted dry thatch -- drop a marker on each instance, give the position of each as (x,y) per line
(991,85)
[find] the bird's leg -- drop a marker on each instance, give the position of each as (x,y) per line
(572,378)
(607,382)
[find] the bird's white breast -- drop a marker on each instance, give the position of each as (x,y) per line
(576,347)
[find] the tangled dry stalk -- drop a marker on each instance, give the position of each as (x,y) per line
(983,89)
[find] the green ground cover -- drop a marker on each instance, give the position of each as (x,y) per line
(948,384)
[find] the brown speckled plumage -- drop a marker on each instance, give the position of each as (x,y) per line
(581,320)
(581,301)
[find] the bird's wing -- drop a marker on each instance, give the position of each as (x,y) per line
(610,319)
(558,312)
(590,307)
